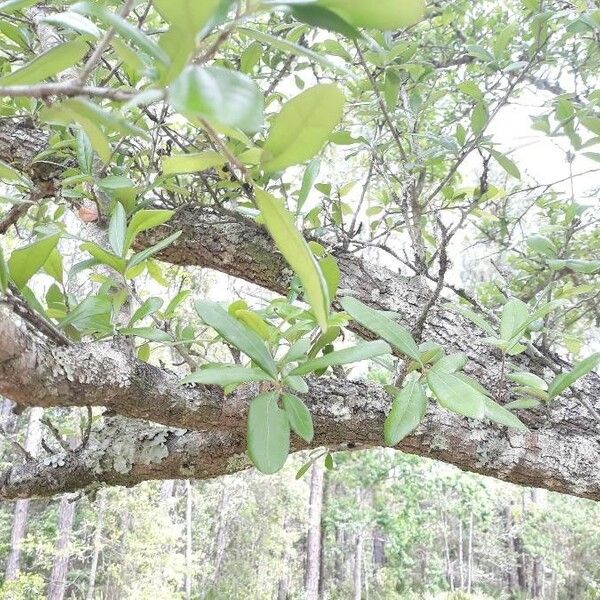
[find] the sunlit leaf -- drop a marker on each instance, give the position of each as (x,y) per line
(26,261)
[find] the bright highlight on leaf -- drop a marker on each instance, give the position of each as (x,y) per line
(294,248)
(302,127)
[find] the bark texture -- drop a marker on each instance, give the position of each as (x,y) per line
(204,434)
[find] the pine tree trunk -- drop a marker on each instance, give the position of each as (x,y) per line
(219,535)
(322,566)
(19,524)
(60,568)
(313,543)
(188,541)
(358,560)
(470,554)
(96,547)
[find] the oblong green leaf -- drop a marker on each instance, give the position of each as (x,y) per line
(224,375)
(302,127)
(107,258)
(514,316)
(140,257)
(117,228)
(342,357)
(268,433)
(561,382)
(216,94)
(408,409)
(244,339)
(299,417)
(295,250)
(501,415)
(143,220)
(191,163)
(74,21)
(385,15)
(3,272)
(456,395)
(381,325)
(47,64)
(24,262)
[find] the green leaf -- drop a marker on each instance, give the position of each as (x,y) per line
(225,375)
(8,173)
(175,302)
(506,163)
(408,409)
(302,127)
(331,272)
(299,417)
(325,19)
(297,351)
(191,163)
(244,339)
(499,414)
(3,272)
(47,64)
(216,94)
(528,379)
(104,257)
(149,307)
(456,395)
(515,315)
(268,435)
(93,313)
(561,382)
(542,245)
(308,180)
(10,6)
(54,265)
(391,88)
(148,333)
(128,32)
(74,21)
(289,47)
(522,403)
(143,220)
(591,123)
(381,325)
(479,118)
(140,257)
(572,264)
(342,357)
(117,228)
(473,317)
(450,363)
(386,15)
(26,261)
(295,250)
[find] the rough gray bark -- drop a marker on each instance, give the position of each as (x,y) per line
(560,453)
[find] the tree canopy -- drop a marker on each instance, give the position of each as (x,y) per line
(427,269)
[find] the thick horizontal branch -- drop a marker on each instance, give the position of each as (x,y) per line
(558,456)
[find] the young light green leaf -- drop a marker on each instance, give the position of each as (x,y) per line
(47,64)
(218,94)
(450,363)
(295,250)
(528,379)
(507,164)
(24,262)
(299,417)
(148,333)
(149,307)
(175,302)
(297,350)
(331,272)
(140,257)
(107,258)
(93,312)
(577,265)
(268,437)
(456,395)
(515,314)
(117,228)
(230,329)
(308,180)
(501,415)
(342,357)
(408,409)
(143,220)
(126,30)
(8,173)
(385,15)
(10,6)
(561,382)
(74,21)
(381,325)
(225,375)
(522,403)
(302,127)
(191,163)
(3,272)
(296,383)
